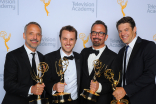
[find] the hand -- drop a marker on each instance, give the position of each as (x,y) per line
(119,93)
(94,86)
(59,87)
(37,89)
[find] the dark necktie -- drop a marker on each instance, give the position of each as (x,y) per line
(96,52)
(33,64)
(69,57)
(124,77)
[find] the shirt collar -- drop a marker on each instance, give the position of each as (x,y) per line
(28,50)
(101,49)
(63,54)
(132,43)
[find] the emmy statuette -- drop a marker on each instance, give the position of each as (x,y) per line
(109,74)
(61,97)
(89,94)
(42,67)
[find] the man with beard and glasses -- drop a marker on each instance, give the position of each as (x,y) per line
(19,86)
(99,51)
(68,37)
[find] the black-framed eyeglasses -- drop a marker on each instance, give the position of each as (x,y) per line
(94,33)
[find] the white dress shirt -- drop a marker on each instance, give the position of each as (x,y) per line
(129,51)
(91,58)
(28,51)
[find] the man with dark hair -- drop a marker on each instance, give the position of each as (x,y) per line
(19,86)
(68,37)
(99,51)
(137,59)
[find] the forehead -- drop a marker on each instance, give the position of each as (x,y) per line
(33,27)
(99,27)
(68,34)
(124,26)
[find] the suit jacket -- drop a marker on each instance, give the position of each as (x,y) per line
(140,76)
(107,57)
(51,77)
(17,78)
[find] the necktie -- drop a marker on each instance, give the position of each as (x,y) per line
(96,52)
(125,65)
(33,64)
(69,57)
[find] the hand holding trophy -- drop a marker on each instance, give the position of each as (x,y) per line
(42,68)
(98,69)
(109,74)
(61,96)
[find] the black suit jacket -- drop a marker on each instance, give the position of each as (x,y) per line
(17,78)
(51,77)
(107,58)
(140,76)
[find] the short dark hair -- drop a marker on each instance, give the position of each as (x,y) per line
(126,19)
(70,29)
(35,23)
(100,22)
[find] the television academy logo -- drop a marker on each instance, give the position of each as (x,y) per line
(82,36)
(120,2)
(151,8)
(3,34)
(45,5)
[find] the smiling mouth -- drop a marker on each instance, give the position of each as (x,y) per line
(34,41)
(96,39)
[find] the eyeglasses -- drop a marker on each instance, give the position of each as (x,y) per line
(94,33)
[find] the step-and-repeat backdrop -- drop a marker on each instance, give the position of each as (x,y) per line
(52,15)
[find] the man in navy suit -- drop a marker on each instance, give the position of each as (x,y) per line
(19,86)
(138,63)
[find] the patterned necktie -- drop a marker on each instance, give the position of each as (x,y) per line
(124,76)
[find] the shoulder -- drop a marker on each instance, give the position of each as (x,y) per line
(16,51)
(84,50)
(51,54)
(148,46)
(111,52)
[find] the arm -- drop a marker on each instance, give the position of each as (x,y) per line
(11,74)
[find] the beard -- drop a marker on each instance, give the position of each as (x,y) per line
(34,47)
(96,43)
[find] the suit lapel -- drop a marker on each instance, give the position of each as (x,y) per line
(25,58)
(77,61)
(135,50)
(85,62)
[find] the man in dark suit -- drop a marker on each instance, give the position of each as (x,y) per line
(68,37)
(102,86)
(18,83)
(138,63)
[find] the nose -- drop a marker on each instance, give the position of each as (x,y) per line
(97,35)
(35,36)
(68,41)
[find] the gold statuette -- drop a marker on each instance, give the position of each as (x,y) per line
(42,68)
(61,97)
(98,69)
(109,74)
